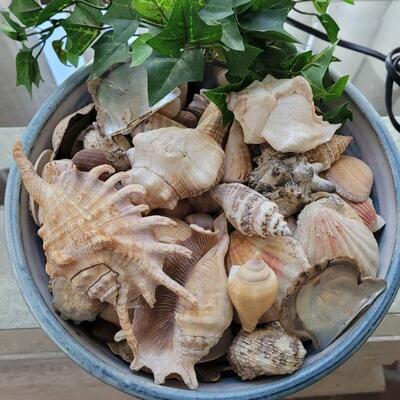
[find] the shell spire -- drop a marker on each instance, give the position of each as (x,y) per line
(34,184)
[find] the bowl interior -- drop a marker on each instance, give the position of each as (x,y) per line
(366,145)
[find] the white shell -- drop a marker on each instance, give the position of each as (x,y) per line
(282,113)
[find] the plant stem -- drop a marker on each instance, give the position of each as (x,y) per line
(304,12)
(91,5)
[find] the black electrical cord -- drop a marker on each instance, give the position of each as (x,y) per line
(392,63)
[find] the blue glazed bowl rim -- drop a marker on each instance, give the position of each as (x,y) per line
(148,390)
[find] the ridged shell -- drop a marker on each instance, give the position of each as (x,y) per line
(88,223)
(72,303)
(352,177)
(326,299)
(329,152)
(266,351)
(238,165)
(282,253)
(324,231)
(250,212)
(153,122)
(367,213)
(253,289)
(280,112)
(172,336)
(176,163)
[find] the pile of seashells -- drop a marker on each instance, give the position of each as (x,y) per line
(195,248)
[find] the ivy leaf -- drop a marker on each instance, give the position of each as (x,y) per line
(240,61)
(268,22)
(166,73)
(185,27)
(52,9)
(27,11)
(215,10)
(28,72)
(331,27)
(155,10)
(82,27)
(108,52)
(219,96)
(299,61)
(315,71)
(349,1)
(123,18)
(339,115)
(12,29)
(141,51)
(337,89)
(231,36)
(321,5)
(259,5)
(63,55)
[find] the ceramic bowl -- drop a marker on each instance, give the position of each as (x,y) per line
(372,143)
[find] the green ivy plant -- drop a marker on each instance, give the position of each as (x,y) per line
(180,36)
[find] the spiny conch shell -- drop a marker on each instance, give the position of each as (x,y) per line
(109,314)
(74,304)
(121,99)
(352,177)
(122,350)
(173,337)
(155,121)
(280,112)
(253,289)
(266,351)
(367,213)
(181,210)
(204,204)
(204,220)
(88,224)
(69,128)
(176,163)
(211,124)
(250,212)
(198,105)
(287,180)
(325,229)
(173,234)
(54,169)
(39,165)
(282,253)
(326,299)
(238,165)
(329,152)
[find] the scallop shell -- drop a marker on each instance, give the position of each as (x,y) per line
(238,165)
(248,211)
(72,303)
(352,177)
(203,220)
(367,213)
(324,231)
(153,122)
(266,351)
(175,163)
(326,299)
(88,224)
(283,254)
(121,99)
(253,289)
(329,152)
(173,337)
(280,112)
(69,128)
(287,180)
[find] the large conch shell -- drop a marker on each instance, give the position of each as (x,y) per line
(282,113)
(329,152)
(287,180)
(326,299)
(238,165)
(173,337)
(283,254)
(250,212)
(177,163)
(253,289)
(331,228)
(94,233)
(121,99)
(72,303)
(352,177)
(266,351)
